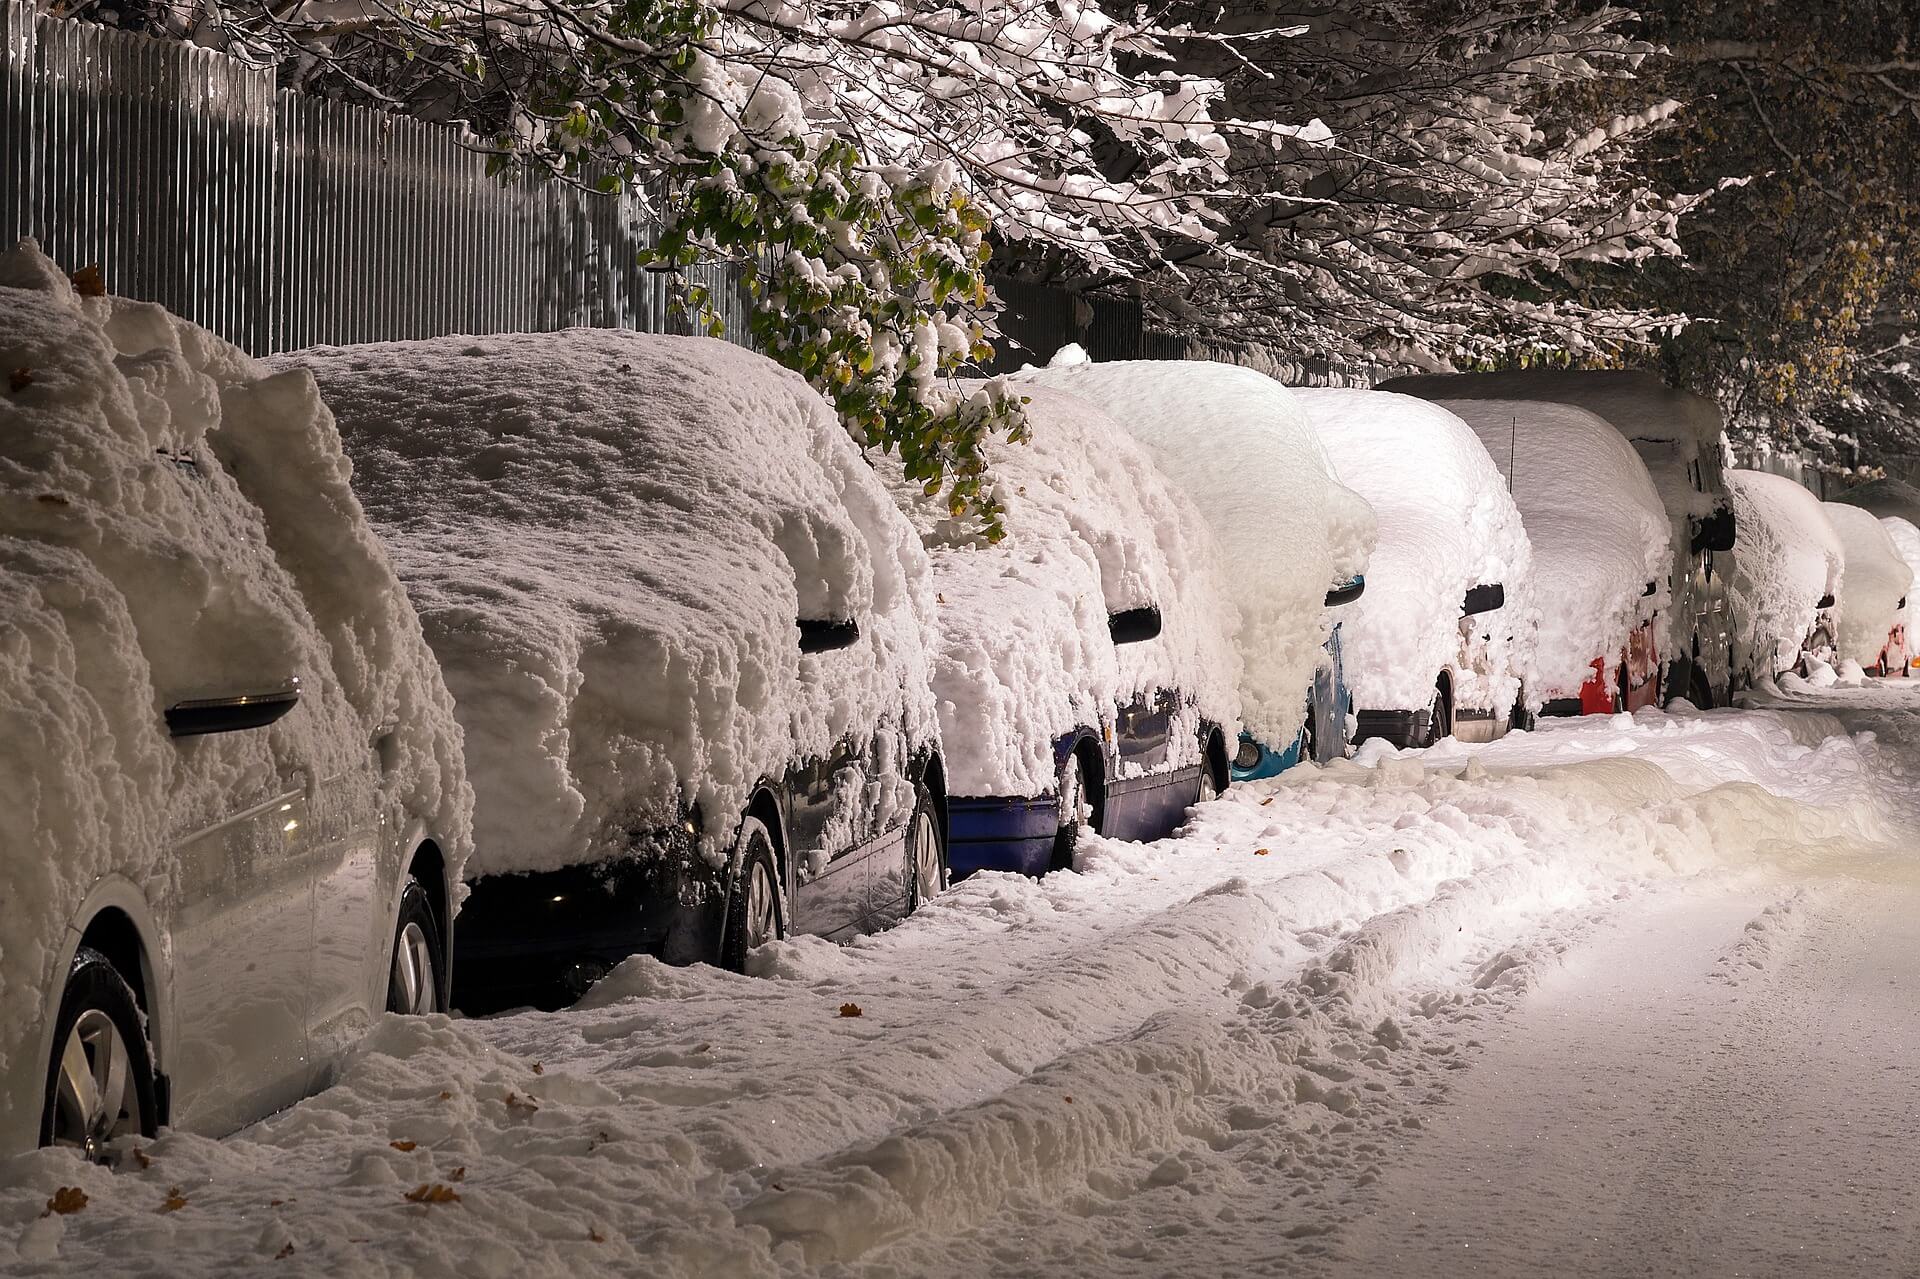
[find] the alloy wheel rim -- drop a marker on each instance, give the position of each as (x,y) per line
(413,974)
(926,858)
(763,917)
(96,1098)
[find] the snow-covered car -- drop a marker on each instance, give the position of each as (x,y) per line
(1873,590)
(1295,540)
(1600,552)
(1084,664)
(1901,654)
(233,807)
(1784,578)
(1432,648)
(1678,435)
(1885,497)
(683,625)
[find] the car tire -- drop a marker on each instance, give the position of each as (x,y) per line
(416,977)
(1071,805)
(756,905)
(1439,717)
(100,1080)
(1213,770)
(927,870)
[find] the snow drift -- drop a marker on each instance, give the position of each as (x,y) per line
(609,537)
(1239,445)
(1788,560)
(1598,530)
(1446,524)
(1023,653)
(1872,583)
(178,525)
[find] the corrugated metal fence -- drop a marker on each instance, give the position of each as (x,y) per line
(280,221)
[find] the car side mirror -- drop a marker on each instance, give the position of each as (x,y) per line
(1651,588)
(1347,592)
(1826,601)
(1716,532)
(1484,599)
(230,714)
(1133,625)
(818,635)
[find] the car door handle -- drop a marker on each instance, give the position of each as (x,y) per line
(230,714)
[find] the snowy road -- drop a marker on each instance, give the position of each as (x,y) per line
(1618,997)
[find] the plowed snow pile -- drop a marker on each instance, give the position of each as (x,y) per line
(1023,653)
(1788,559)
(1240,447)
(610,537)
(1873,581)
(1186,1056)
(1447,524)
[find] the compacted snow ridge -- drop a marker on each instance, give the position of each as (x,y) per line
(1240,446)
(610,537)
(1598,530)
(1788,559)
(1446,524)
(176,523)
(1217,1053)
(1873,581)
(1022,653)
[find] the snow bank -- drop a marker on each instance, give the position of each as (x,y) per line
(1598,530)
(1789,558)
(1872,583)
(1446,524)
(1023,653)
(609,537)
(1240,447)
(178,525)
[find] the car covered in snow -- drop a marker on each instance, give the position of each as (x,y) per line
(1902,652)
(1294,538)
(683,624)
(1678,436)
(1784,579)
(1872,598)
(1433,648)
(1083,664)
(233,807)
(1599,535)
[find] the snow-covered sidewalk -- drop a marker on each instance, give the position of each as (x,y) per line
(1263,1044)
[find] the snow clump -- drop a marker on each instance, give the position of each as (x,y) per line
(1872,584)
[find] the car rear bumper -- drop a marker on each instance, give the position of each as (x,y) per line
(1399,729)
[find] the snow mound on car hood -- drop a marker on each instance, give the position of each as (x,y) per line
(1024,654)
(178,524)
(1787,559)
(1872,582)
(1238,444)
(1598,529)
(609,537)
(1447,524)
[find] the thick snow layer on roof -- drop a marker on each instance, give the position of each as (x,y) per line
(609,537)
(1239,445)
(177,524)
(1447,524)
(1598,530)
(1024,654)
(1885,497)
(1872,584)
(1789,557)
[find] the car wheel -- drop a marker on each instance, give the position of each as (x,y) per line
(756,908)
(414,981)
(100,1080)
(926,852)
(1072,811)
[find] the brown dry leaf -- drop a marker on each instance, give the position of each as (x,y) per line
(175,1201)
(1069,1100)
(596,1236)
(20,379)
(458,1174)
(446,1096)
(1261,852)
(275,1203)
(516,1102)
(538,1069)
(285,1252)
(65,1200)
(142,1158)
(776,1185)
(850,1010)
(404,1146)
(52,499)
(938,598)
(434,1193)
(88,282)
(1266,801)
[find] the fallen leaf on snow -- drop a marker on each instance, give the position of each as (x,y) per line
(538,1069)
(458,1174)
(446,1096)
(1261,852)
(516,1102)
(850,1010)
(20,379)
(1266,801)
(65,1200)
(596,1236)
(174,1202)
(285,1252)
(88,282)
(404,1146)
(52,499)
(433,1193)
(142,1158)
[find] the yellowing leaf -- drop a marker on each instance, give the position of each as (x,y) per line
(67,1199)
(850,1010)
(433,1193)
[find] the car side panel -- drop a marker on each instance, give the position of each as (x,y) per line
(353,873)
